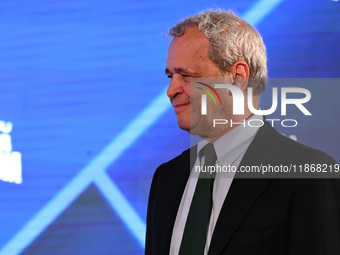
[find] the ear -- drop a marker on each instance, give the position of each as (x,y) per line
(240,72)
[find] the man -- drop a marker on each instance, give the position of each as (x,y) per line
(190,215)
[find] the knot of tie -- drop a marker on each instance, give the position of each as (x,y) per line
(210,157)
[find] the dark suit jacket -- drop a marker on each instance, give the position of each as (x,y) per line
(259,216)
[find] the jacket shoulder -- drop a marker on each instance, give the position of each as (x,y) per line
(295,149)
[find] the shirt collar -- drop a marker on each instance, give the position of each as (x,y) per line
(231,145)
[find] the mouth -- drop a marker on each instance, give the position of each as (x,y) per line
(179,107)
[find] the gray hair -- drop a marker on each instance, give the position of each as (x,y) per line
(231,40)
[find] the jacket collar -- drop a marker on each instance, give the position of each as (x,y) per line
(243,193)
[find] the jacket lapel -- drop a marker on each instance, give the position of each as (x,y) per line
(178,183)
(243,193)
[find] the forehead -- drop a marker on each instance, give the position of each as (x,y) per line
(193,44)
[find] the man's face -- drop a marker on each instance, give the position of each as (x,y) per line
(188,58)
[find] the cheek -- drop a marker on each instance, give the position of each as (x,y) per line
(187,90)
(195,97)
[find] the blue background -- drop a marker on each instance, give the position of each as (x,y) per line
(83,84)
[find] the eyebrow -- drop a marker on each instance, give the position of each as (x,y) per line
(178,70)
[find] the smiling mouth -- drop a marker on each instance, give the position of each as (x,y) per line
(178,107)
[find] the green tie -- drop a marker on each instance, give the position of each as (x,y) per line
(196,227)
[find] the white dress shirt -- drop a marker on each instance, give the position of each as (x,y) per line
(230,149)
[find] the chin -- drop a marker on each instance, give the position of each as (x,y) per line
(185,125)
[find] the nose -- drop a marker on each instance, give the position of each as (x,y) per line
(176,86)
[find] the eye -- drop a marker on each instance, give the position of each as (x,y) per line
(186,77)
(169,76)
